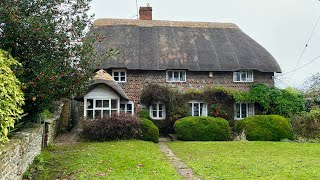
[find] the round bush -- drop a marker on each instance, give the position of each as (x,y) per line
(200,128)
(265,128)
(149,131)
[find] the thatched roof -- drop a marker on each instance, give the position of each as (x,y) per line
(104,78)
(195,46)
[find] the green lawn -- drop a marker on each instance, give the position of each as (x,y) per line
(108,160)
(250,160)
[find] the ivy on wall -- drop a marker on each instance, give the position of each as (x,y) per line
(220,100)
(11,96)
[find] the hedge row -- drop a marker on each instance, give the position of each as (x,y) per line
(118,127)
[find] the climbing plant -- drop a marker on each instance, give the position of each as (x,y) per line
(11,95)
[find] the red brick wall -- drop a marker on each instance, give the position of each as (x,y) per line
(136,79)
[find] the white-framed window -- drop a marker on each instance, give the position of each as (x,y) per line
(119,75)
(243,76)
(158,111)
(243,110)
(176,76)
(99,108)
(127,107)
(197,108)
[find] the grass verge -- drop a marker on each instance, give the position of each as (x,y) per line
(108,160)
(250,160)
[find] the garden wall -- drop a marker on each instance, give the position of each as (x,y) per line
(19,153)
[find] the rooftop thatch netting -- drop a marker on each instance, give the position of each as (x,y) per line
(194,46)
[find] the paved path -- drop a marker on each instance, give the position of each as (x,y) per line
(70,137)
(180,167)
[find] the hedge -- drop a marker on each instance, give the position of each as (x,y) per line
(265,128)
(115,127)
(149,131)
(200,128)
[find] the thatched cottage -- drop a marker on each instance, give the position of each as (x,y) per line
(185,55)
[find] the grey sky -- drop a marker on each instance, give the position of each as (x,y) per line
(281,26)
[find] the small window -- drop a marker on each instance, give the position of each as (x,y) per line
(176,76)
(126,107)
(197,109)
(243,76)
(119,75)
(157,111)
(99,108)
(243,110)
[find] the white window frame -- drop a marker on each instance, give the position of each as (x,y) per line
(119,71)
(94,108)
(204,111)
(248,113)
(126,107)
(158,112)
(179,75)
(240,73)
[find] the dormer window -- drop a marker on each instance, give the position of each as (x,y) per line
(243,76)
(119,75)
(176,76)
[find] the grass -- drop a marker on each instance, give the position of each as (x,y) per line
(108,160)
(250,160)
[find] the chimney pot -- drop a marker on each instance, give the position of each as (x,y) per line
(145,13)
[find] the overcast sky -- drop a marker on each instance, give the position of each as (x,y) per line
(283,27)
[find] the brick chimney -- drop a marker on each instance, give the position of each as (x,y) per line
(145,13)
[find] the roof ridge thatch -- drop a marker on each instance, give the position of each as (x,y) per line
(103,75)
(164,23)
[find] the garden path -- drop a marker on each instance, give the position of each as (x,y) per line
(70,137)
(180,166)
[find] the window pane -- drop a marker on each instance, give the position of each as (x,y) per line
(89,103)
(169,76)
(113,111)
(250,109)
(238,110)
(160,114)
(122,107)
(115,74)
(182,76)
(196,109)
(250,76)
(190,109)
(123,78)
(176,76)
(97,114)
(201,109)
(129,107)
(105,103)
(106,113)
(154,107)
(243,110)
(154,114)
(114,104)
(238,76)
(116,78)
(123,74)
(243,76)
(160,107)
(90,114)
(98,103)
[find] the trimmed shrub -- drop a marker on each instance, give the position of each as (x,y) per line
(307,125)
(149,131)
(200,128)
(114,127)
(265,128)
